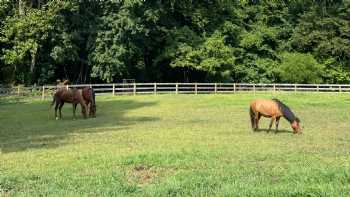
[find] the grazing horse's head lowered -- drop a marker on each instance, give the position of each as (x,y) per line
(89,97)
(273,109)
(289,115)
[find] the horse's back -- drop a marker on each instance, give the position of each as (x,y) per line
(68,95)
(266,107)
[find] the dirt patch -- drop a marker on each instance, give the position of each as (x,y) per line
(142,175)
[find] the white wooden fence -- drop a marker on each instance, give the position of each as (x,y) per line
(175,88)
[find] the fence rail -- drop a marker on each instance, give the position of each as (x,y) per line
(175,88)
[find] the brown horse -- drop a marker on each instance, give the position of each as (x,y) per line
(89,98)
(73,96)
(273,109)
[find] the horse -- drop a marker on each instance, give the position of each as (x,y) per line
(273,109)
(89,98)
(74,96)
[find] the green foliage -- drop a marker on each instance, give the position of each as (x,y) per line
(213,57)
(300,68)
(217,40)
(335,73)
(25,36)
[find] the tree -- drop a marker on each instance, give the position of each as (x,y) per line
(213,40)
(300,68)
(213,56)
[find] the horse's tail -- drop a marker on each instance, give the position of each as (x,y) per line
(252,116)
(53,101)
(93,95)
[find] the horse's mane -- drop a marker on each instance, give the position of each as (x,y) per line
(287,113)
(65,82)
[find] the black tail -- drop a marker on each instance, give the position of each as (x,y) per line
(93,96)
(93,103)
(252,117)
(53,101)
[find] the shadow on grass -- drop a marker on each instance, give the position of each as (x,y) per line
(32,125)
(273,131)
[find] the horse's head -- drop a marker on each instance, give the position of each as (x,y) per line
(296,126)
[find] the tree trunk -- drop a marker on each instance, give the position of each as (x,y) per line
(148,63)
(21,7)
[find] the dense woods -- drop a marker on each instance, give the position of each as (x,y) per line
(93,41)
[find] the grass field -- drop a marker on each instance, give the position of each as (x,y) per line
(175,145)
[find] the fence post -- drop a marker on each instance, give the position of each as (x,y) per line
(18,90)
(43,94)
(339,88)
(155,88)
(295,87)
(195,88)
(113,89)
(318,88)
(254,88)
(134,89)
(177,88)
(215,88)
(67,87)
(274,88)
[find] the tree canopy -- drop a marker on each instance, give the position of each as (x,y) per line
(92,41)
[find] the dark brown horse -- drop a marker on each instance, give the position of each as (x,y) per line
(74,96)
(89,98)
(273,109)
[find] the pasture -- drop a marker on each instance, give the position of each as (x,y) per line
(175,145)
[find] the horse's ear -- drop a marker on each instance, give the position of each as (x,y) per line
(297,119)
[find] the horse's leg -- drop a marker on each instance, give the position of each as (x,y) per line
(272,119)
(258,116)
(60,109)
(83,107)
(277,122)
(56,107)
(88,107)
(74,109)
(256,121)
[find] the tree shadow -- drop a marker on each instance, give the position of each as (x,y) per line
(32,125)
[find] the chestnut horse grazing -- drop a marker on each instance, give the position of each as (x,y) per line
(74,96)
(273,109)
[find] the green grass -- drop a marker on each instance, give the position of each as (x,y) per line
(175,145)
